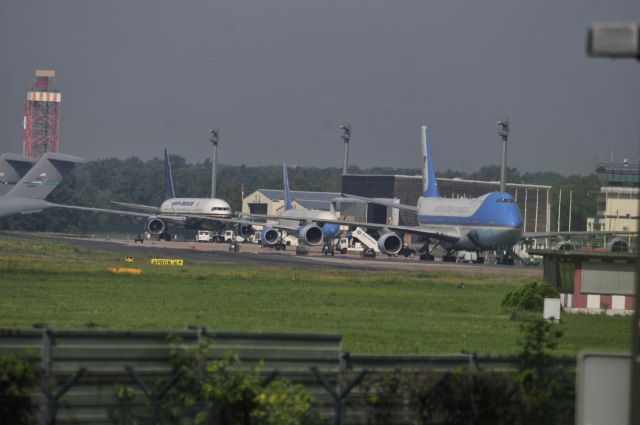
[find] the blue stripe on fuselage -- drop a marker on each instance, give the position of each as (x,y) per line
(490,213)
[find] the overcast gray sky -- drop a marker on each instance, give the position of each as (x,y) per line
(277,77)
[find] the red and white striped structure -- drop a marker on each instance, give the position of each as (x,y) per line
(42,116)
(602,285)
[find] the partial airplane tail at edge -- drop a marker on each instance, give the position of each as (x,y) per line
(287,193)
(429,183)
(12,168)
(44,176)
(171,193)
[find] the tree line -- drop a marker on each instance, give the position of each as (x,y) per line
(133,180)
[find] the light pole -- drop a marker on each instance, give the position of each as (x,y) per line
(503,132)
(346,137)
(214,160)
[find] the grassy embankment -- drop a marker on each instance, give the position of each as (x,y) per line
(388,312)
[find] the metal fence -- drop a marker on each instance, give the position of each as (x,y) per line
(86,365)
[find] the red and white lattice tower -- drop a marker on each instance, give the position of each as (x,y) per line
(42,116)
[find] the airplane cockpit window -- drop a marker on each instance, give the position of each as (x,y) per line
(505,200)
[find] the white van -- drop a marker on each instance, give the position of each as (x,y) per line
(228,236)
(204,236)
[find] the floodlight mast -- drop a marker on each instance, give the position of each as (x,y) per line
(346,137)
(503,132)
(622,40)
(214,160)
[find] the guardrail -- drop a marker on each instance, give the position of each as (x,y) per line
(87,364)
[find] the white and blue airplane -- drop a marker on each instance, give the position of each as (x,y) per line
(489,222)
(302,223)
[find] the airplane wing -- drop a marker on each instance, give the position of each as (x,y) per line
(534,235)
(168,218)
(450,235)
(174,219)
(138,206)
(383,202)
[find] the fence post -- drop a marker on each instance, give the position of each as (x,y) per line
(154,397)
(45,406)
(338,397)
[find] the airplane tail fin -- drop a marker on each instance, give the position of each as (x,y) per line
(287,193)
(429,183)
(43,177)
(12,168)
(168,175)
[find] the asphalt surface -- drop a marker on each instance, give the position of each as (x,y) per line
(216,253)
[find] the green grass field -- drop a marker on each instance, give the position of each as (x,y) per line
(388,312)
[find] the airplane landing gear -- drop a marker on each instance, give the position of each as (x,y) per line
(507,258)
(301,250)
(328,248)
(425,252)
(449,257)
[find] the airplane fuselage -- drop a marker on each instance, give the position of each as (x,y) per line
(210,207)
(491,221)
(10,205)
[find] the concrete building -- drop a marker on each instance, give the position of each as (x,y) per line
(271,201)
(618,200)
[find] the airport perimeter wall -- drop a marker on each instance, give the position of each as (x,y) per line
(86,365)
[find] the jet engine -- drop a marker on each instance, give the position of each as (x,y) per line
(269,236)
(245,230)
(311,234)
(389,243)
(155,226)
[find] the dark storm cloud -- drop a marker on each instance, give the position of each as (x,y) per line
(278,76)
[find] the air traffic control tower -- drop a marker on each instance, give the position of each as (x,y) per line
(41,123)
(618,199)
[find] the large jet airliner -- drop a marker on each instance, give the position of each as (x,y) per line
(27,195)
(190,213)
(303,224)
(489,222)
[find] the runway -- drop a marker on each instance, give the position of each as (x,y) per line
(218,253)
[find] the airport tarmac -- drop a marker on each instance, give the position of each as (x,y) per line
(218,253)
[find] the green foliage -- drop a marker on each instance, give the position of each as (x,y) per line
(223,391)
(547,390)
(17,378)
(541,392)
(529,297)
(384,397)
(471,396)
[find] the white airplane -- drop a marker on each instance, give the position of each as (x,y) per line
(190,213)
(489,222)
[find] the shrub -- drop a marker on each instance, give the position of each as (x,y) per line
(547,391)
(385,397)
(529,297)
(223,391)
(17,377)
